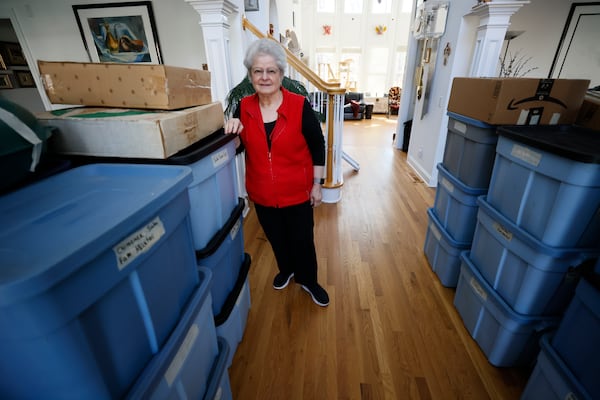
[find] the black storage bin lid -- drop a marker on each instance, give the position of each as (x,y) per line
(569,141)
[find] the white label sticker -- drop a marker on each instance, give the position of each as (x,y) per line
(478,289)
(234,231)
(459,126)
(138,242)
(535,120)
(182,354)
(448,185)
(220,157)
(554,119)
(526,154)
(506,234)
(523,117)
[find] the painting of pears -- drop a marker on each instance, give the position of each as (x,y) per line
(120,39)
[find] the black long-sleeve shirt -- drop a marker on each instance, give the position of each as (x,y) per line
(311,130)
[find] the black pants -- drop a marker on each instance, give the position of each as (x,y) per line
(290,232)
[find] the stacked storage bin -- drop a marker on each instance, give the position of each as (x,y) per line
(569,360)
(189,366)
(219,235)
(97,269)
(216,214)
(540,220)
(464,175)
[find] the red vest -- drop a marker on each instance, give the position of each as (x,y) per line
(283,176)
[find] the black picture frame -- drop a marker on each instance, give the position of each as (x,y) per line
(119,32)
(12,54)
(24,79)
(251,5)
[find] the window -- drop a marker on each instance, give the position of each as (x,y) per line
(350,68)
(353,6)
(377,66)
(381,6)
(326,64)
(326,6)
(399,66)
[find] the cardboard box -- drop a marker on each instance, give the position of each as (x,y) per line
(129,133)
(147,86)
(518,101)
(589,113)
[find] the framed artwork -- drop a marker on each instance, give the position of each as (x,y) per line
(13,54)
(576,56)
(5,82)
(24,79)
(119,32)
(250,5)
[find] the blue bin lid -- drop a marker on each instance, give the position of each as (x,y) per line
(569,141)
(52,228)
(470,121)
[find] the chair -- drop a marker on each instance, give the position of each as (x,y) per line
(354,106)
(393,100)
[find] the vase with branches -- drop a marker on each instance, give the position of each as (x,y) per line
(515,65)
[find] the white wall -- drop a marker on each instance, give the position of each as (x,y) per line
(542,21)
(50,31)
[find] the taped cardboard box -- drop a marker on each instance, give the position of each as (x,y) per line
(518,101)
(130,133)
(147,86)
(589,114)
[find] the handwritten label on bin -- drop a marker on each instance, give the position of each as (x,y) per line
(138,242)
(220,157)
(526,154)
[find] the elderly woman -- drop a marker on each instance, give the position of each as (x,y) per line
(285,158)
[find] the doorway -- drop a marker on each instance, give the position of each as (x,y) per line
(17,83)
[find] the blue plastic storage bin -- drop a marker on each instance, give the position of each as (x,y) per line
(213,191)
(224,256)
(546,179)
(182,368)
(219,387)
(533,278)
(470,150)
(443,252)
(506,338)
(231,322)
(577,340)
(97,265)
(456,205)
(551,379)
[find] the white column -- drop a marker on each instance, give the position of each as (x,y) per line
(214,20)
(494,20)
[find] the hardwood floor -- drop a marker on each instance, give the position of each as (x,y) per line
(391,330)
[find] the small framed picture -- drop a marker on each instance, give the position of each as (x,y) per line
(25,79)
(5,82)
(13,54)
(250,5)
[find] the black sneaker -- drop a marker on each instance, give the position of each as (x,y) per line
(281,280)
(318,294)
